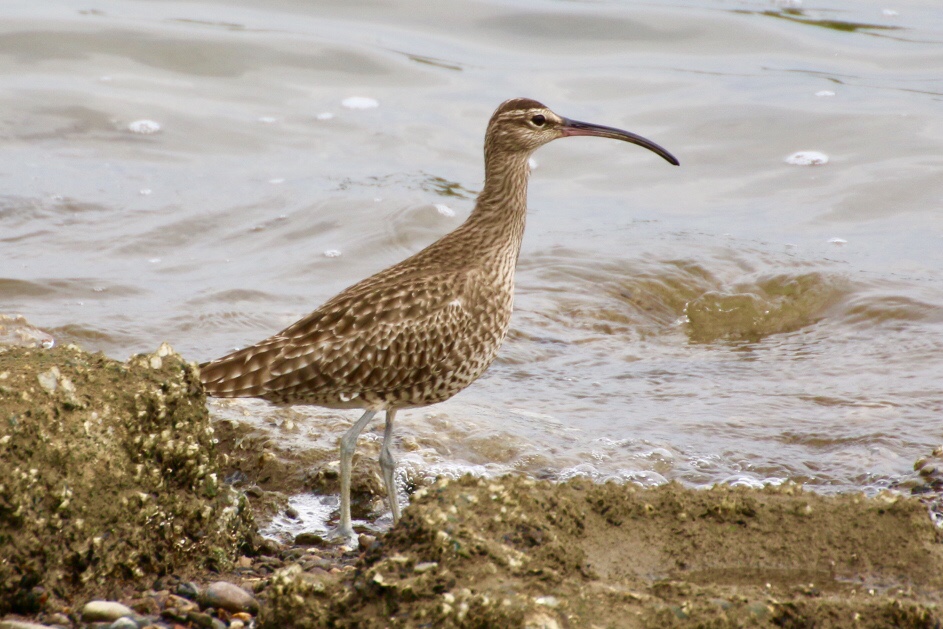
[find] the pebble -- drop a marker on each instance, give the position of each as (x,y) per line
(229,597)
(147,606)
(181,604)
(21,624)
(425,566)
(309,539)
(49,380)
(188,589)
(107,611)
(206,621)
(123,623)
(541,620)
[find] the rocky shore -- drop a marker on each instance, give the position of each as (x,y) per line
(114,513)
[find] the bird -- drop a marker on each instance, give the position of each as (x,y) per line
(421,330)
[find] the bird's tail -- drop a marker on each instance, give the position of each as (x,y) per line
(243,373)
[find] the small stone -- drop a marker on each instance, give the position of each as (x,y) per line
(201,620)
(21,624)
(291,513)
(188,589)
(366,541)
(181,604)
(541,621)
(104,611)
(236,624)
(244,617)
(229,597)
(309,539)
(174,614)
(49,379)
(425,566)
(59,619)
(147,606)
(123,623)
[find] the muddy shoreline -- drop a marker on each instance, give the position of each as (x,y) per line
(112,488)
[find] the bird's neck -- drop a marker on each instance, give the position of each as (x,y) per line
(497,221)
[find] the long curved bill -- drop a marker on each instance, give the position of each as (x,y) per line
(575,127)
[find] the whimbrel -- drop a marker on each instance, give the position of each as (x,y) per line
(422,330)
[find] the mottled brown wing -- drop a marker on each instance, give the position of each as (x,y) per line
(375,340)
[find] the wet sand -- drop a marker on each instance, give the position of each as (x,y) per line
(471,552)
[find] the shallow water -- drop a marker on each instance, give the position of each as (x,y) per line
(737,319)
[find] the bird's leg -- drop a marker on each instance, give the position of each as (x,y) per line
(348,445)
(388,464)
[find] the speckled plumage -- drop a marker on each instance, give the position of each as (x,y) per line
(422,330)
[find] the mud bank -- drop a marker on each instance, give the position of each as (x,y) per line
(109,487)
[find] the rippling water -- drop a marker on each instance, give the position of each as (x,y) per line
(191,172)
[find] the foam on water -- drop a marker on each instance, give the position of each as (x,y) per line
(360,102)
(313,514)
(144,127)
(807,158)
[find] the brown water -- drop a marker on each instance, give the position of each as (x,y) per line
(736,319)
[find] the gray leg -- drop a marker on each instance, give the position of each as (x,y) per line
(348,445)
(388,464)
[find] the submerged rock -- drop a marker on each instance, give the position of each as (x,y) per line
(108,475)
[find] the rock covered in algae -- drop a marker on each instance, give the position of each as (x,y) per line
(108,474)
(512,552)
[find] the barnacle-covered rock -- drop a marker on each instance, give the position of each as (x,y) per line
(108,474)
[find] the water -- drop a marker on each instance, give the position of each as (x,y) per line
(205,173)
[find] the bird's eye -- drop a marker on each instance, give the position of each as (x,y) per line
(538,120)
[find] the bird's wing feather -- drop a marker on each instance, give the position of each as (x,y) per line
(376,336)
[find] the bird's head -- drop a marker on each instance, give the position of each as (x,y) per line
(522,125)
